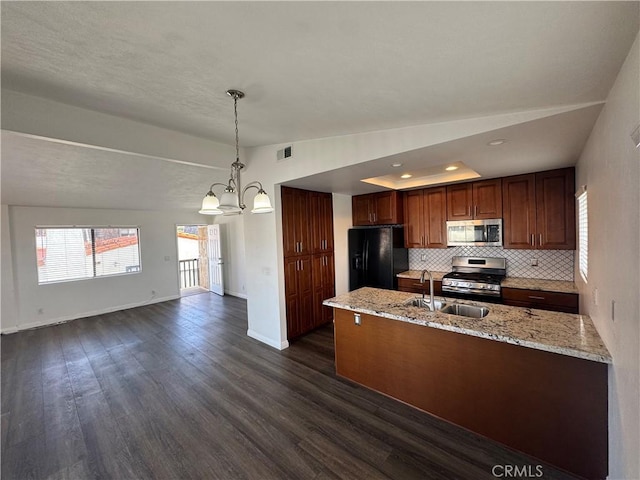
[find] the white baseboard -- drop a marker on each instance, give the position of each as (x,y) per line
(235,294)
(269,341)
(93,313)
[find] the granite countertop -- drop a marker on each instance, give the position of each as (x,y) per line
(557,332)
(559,286)
(415,274)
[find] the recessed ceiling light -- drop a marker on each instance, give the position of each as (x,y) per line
(396,165)
(451,168)
(406,175)
(496,142)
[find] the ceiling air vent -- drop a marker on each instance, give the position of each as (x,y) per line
(285,153)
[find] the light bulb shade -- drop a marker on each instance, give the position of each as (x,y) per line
(262,203)
(210,205)
(229,203)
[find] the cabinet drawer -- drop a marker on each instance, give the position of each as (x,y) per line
(561,302)
(413,285)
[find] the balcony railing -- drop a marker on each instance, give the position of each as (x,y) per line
(189,273)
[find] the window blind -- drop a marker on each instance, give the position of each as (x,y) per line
(583,236)
(66,253)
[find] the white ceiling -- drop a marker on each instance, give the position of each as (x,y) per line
(310,70)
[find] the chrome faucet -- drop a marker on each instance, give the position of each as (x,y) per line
(431,299)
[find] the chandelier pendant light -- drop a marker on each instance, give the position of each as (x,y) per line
(231,201)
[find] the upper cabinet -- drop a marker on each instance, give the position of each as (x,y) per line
(384,208)
(321,222)
(307,222)
(539,210)
(425,218)
(296,230)
(475,200)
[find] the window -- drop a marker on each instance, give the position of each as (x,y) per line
(66,253)
(583,235)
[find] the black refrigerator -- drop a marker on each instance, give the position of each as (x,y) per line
(376,256)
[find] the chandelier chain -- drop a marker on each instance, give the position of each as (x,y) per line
(235,113)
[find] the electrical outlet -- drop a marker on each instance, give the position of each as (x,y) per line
(534,262)
(423,257)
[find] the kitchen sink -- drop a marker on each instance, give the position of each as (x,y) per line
(472,311)
(424,303)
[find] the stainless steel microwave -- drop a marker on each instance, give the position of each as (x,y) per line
(479,233)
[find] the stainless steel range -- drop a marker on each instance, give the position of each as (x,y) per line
(475,276)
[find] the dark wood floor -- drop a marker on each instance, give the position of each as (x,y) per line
(177,390)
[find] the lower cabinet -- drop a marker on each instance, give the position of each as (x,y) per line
(550,406)
(309,279)
(323,287)
(299,294)
(555,301)
(413,285)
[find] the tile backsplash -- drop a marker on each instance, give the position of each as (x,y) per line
(552,264)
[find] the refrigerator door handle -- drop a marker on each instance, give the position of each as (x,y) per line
(365,255)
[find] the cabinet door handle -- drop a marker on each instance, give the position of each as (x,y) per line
(533,240)
(426,240)
(357,319)
(375,217)
(475,211)
(301,246)
(533,297)
(541,240)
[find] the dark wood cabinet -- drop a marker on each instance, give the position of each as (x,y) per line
(425,218)
(413,285)
(307,228)
(384,208)
(459,199)
(321,209)
(298,279)
(539,210)
(323,270)
(295,225)
(555,301)
(475,200)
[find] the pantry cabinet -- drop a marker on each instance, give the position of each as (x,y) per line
(539,210)
(299,290)
(307,228)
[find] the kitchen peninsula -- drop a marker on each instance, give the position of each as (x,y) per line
(534,380)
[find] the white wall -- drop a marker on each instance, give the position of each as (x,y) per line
(9,318)
(610,167)
(232,237)
(342,222)
(69,300)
